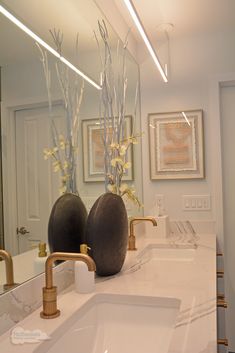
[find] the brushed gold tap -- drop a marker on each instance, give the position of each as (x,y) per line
(49,292)
(131,241)
(9,269)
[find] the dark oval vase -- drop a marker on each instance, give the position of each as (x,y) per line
(67,222)
(107,234)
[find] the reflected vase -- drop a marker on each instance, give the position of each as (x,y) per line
(107,234)
(67,222)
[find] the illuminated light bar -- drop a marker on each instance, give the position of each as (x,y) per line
(46,46)
(143,34)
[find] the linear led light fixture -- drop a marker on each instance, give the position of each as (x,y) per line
(46,46)
(185,117)
(134,15)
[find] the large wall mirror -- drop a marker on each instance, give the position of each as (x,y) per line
(29,187)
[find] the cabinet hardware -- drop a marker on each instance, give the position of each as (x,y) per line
(220,274)
(220,297)
(223,341)
(222,304)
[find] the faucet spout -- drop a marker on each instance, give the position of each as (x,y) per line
(131,242)
(9,269)
(50,310)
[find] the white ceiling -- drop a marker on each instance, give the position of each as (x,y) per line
(72,17)
(189,17)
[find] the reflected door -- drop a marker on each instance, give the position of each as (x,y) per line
(37,184)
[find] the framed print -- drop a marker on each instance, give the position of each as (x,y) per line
(176,145)
(93,150)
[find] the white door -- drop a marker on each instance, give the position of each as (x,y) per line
(37,184)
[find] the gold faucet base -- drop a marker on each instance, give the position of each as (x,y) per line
(51,316)
(131,249)
(49,303)
(10,286)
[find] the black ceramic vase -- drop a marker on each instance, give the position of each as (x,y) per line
(67,222)
(107,234)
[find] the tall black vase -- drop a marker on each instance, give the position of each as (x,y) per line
(107,234)
(67,222)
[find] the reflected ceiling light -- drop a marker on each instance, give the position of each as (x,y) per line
(46,46)
(185,117)
(143,34)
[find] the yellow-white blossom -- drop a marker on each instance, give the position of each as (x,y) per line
(123,187)
(47,153)
(112,188)
(115,161)
(122,150)
(62,142)
(126,165)
(57,166)
(133,140)
(65,178)
(114,146)
(65,165)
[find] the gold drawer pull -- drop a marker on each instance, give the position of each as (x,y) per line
(220,297)
(223,341)
(220,274)
(222,304)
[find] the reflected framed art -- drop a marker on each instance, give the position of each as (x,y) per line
(93,150)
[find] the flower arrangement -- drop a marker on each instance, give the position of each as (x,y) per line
(64,148)
(112,117)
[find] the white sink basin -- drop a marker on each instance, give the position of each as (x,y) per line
(117,324)
(168,252)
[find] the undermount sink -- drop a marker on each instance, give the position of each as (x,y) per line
(168,252)
(110,323)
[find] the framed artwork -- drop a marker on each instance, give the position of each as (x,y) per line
(93,150)
(176,145)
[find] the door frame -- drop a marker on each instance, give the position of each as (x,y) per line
(9,167)
(216,167)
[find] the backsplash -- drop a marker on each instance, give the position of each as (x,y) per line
(20,302)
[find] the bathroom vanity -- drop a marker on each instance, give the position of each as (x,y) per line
(164,300)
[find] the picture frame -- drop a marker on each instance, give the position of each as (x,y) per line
(93,150)
(176,145)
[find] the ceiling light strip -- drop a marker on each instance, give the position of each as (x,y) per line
(143,34)
(46,46)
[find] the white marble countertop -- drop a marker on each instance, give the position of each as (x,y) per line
(192,282)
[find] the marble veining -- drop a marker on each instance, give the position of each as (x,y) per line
(20,302)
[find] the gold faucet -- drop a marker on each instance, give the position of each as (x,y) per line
(49,292)
(9,269)
(131,242)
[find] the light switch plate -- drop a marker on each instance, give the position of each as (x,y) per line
(196,202)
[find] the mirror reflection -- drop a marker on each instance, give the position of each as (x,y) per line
(29,184)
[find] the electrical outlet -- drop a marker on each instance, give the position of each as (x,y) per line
(159,201)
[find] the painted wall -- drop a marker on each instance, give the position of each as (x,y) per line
(193,67)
